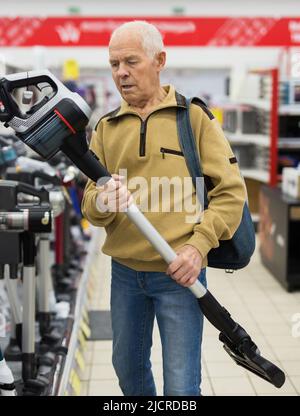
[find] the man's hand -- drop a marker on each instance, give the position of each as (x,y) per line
(186,268)
(113,196)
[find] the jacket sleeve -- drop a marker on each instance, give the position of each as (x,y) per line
(228,195)
(88,205)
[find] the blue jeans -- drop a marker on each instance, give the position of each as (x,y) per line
(138,297)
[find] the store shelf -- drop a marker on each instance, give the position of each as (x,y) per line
(290,109)
(289,143)
(259,175)
(258,103)
(240,138)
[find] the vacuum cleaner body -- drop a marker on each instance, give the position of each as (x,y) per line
(57,114)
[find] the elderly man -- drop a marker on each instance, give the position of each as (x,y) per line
(141,137)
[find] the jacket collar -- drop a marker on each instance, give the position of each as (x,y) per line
(172,99)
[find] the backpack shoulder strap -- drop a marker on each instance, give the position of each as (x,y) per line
(189,149)
(201,103)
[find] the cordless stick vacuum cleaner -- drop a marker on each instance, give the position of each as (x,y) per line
(57,122)
(28,220)
(45,288)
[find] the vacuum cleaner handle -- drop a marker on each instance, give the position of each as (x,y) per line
(159,243)
(76,148)
(89,164)
(23,79)
(8,107)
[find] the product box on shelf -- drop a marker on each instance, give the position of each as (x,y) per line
(245,154)
(243,119)
(291,182)
(290,91)
(261,158)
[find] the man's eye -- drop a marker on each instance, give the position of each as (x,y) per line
(114,65)
(132,62)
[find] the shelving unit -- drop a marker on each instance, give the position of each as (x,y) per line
(263,151)
(279,235)
(269,140)
(240,138)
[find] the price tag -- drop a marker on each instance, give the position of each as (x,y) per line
(82,340)
(75,382)
(85,315)
(80,360)
(85,329)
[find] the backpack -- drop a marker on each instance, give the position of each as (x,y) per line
(232,254)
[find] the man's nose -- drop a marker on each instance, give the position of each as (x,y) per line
(122,71)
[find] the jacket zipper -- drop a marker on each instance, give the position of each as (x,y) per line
(164,150)
(143,137)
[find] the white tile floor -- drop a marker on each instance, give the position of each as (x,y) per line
(255,300)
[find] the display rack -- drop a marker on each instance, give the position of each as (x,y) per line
(279,235)
(262,140)
(263,148)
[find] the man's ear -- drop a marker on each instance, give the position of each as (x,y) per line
(161,60)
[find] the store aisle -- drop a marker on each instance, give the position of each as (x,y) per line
(253,297)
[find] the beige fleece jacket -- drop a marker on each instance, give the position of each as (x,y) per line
(150,150)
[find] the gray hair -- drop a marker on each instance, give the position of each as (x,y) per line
(150,36)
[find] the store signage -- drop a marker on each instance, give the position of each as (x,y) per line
(177,31)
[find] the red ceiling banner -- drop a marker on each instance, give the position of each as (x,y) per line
(177,31)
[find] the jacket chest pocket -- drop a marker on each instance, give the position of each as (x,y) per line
(164,151)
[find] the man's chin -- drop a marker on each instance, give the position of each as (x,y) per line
(129,97)
(127,93)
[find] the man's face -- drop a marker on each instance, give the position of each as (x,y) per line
(135,74)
